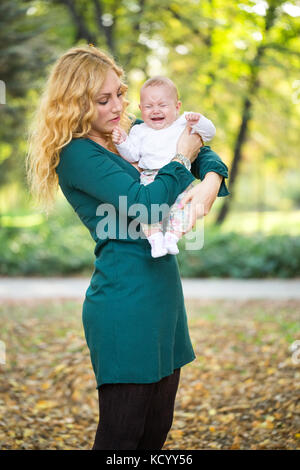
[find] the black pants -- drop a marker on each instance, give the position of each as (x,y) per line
(136,416)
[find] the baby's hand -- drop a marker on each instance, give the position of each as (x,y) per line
(118,135)
(192,118)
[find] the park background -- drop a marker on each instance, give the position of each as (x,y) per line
(238,63)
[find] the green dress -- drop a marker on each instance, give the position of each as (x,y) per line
(133,315)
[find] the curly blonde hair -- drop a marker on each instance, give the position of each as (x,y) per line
(66,111)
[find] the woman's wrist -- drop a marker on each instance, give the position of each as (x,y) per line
(212,175)
(182,159)
(176,160)
(213,181)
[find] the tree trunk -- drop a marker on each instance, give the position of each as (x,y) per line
(108,31)
(236,159)
(82,31)
(246,115)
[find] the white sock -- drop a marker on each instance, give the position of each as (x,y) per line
(171,243)
(157,245)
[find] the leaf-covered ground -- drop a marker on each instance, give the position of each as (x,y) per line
(241,392)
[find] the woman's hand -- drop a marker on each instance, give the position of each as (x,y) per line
(201,197)
(189,144)
(136,165)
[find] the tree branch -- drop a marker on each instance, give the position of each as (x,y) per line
(241,138)
(206,39)
(82,31)
(106,30)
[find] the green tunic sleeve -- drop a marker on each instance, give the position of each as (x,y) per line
(207,160)
(89,168)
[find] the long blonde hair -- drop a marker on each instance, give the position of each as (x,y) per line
(66,110)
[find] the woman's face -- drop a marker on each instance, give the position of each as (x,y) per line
(109,104)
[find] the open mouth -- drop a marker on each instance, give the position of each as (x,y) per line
(157,119)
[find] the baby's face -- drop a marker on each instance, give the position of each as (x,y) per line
(159,107)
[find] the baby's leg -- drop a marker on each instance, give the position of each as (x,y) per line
(173,232)
(153,232)
(176,224)
(151,229)
(155,237)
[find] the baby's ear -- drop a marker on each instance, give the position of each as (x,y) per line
(178,105)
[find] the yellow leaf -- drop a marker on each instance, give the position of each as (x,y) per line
(255,424)
(42,404)
(200,387)
(176,433)
(270,418)
(236,443)
(59,367)
(214,445)
(249,381)
(76,395)
(45,385)
(227,418)
(267,425)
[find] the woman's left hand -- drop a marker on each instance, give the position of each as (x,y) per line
(136,165)
(201,197)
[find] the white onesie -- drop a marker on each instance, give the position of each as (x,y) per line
(154,148)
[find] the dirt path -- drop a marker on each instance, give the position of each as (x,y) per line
(39,288)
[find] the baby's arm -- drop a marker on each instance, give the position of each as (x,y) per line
(200,124)
(128,145)
(118,135)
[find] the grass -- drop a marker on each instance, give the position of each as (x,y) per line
(272,222)
(268,222)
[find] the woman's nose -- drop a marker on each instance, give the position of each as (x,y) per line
(117,105)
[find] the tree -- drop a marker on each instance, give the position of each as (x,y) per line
(23,58)
(230,53)
(112,24)
(236,62)
(273,19)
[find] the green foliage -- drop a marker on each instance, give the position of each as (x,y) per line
(58,246)
(213,50)
(242,256)
(55,246)
(25,53)
(210,48)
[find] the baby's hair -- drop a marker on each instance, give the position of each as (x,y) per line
(160,80)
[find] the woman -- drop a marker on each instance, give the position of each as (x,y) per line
(133,314)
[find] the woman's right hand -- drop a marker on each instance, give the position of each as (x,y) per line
(189,144)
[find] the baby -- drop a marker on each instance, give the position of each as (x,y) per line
(153,145)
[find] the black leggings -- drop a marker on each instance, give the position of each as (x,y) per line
(136,416)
